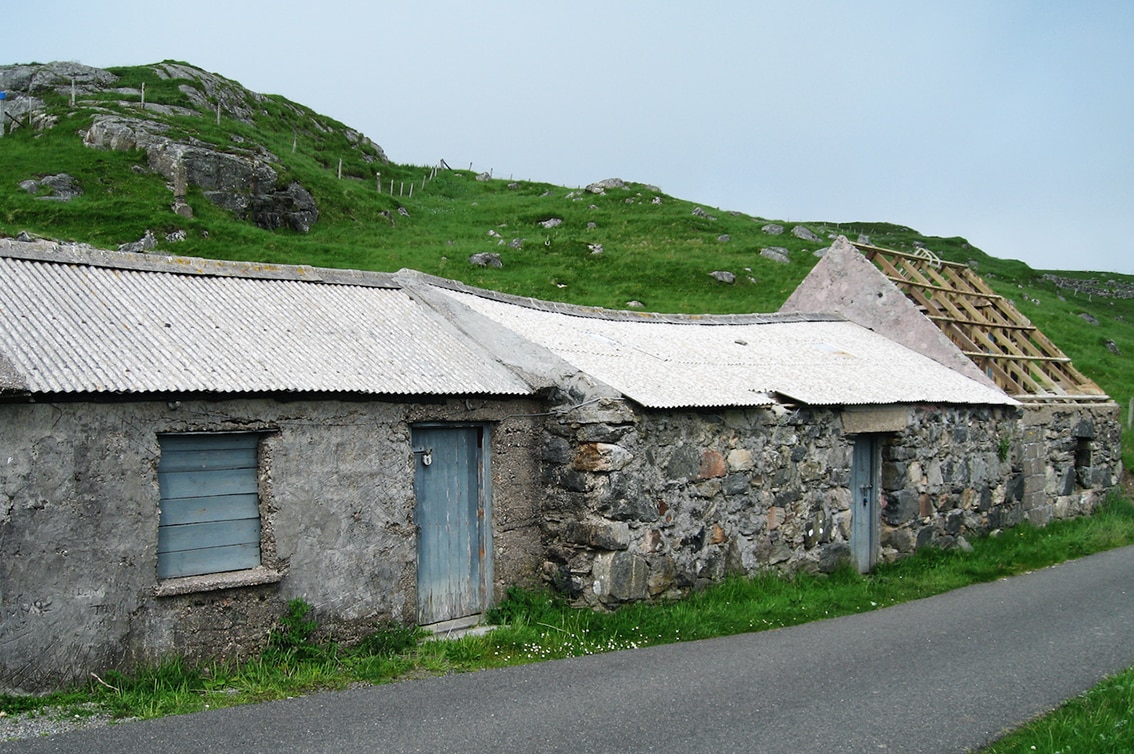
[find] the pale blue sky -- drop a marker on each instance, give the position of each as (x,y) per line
(1008,123)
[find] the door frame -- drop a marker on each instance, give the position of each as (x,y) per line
(484,513)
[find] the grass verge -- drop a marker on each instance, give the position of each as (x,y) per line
(535,626)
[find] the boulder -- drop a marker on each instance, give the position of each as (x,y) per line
(486,259)
(772,229)
(803,233)
(776,254)
(723,276)
(60,187)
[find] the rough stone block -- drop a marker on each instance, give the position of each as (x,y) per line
(622,576)
(741,459)
(712,466)
(599,456)
(601,536)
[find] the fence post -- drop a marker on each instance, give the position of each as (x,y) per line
(143,95)
(378,180)
(218,113)
(340,168)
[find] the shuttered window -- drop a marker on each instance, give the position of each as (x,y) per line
(210,511)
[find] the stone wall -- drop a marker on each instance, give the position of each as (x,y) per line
(649,504)
(79,520)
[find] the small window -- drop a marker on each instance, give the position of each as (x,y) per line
(1083,461)
(210,504)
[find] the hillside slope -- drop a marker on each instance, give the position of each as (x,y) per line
(211,169)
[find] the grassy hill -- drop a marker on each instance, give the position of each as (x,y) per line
(633,243)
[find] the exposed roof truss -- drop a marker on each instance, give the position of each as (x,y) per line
(985,326)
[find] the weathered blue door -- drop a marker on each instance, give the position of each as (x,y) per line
(450,515)
(864,505)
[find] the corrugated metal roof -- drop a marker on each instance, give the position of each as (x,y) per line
(75,328)
(669,362)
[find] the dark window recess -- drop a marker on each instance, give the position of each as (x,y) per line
(1083,461)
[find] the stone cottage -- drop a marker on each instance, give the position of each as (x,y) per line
(186,444)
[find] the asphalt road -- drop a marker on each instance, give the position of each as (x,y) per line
(944,674)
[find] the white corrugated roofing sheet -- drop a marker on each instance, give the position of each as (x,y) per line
(72,328)
(665,363)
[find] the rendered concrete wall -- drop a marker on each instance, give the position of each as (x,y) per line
(79,519)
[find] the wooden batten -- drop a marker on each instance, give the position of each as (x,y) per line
(985,326)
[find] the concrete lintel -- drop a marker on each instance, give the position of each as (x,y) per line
(857,420)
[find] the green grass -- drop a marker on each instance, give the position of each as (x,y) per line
(1099,721)
(536,626)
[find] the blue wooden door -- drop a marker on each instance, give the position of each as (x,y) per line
(450,513)
(864,502)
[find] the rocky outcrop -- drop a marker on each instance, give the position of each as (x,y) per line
(242,182)
(242,177)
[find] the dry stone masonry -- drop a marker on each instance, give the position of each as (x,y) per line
(644,504)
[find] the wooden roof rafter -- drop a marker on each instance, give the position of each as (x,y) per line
(984,325)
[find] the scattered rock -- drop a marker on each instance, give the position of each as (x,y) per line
(772,229)
(144,244)
(803,233)
(1088,318)
(485,259)
(1112,347)
(776,254)
(656,200)
(599,187)
(60,187)
(723,276)
(484,176)
(634,304)
(702,213)
(724,238)
(552,222)
(513,185)
(863,239)
(516,243)
(494,234)
(592,225)
(822,252)
(1093,286)
(596,248)
(175,236)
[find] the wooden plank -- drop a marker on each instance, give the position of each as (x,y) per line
(206,536)
(216,560)
(183,484)
(204,459)
(195,510)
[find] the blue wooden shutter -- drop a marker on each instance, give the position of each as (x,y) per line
(210,507)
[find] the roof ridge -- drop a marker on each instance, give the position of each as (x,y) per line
(54,252)
(616,315)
